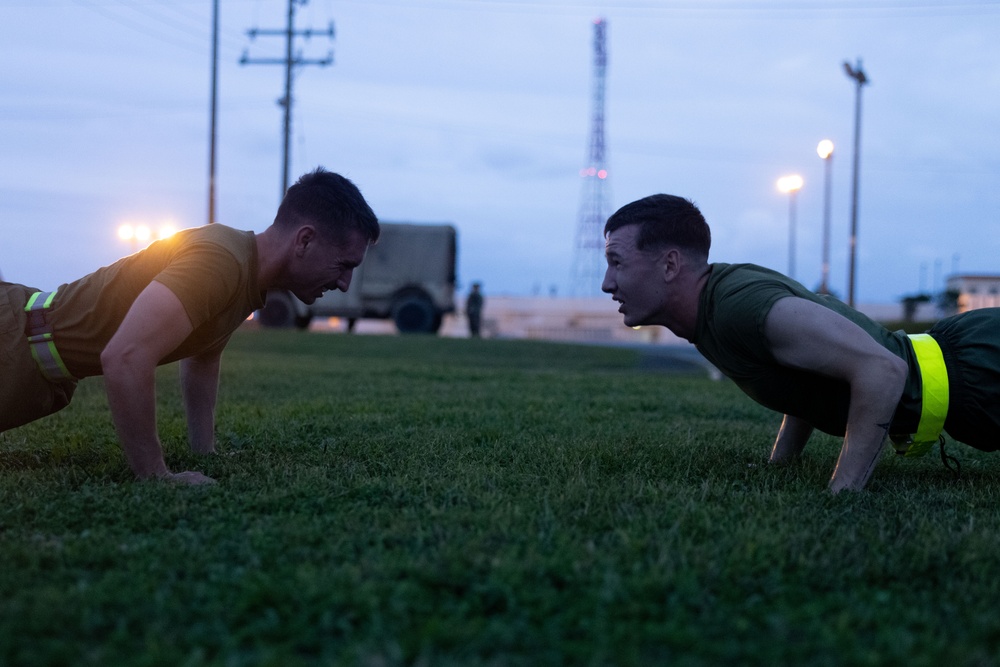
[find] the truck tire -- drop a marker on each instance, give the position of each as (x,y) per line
(278,311)
(414,313)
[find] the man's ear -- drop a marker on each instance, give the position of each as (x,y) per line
(305,235)
(670,263)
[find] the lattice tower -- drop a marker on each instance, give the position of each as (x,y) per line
(588,257)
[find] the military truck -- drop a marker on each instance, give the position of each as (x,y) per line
(408,277)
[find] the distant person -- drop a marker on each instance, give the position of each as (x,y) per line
(474,309)
(180,299)
(819,362)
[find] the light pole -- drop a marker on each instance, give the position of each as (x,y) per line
(791,185)
(213,111)
(825,151)
(860,79)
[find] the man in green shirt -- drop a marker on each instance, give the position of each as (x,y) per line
(178,300)
(812,358)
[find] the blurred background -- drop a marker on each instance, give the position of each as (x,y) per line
(481,113)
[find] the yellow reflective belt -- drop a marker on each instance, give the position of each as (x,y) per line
(43,348)
(933,396)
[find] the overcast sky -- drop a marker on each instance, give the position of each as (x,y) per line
(478,113)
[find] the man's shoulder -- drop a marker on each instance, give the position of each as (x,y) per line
(217,233)
(737,298)
(218,237)
(744,280)
(744,272)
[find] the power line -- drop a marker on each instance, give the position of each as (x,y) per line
(143,28)
(290,61)
(189,34)
(932,7)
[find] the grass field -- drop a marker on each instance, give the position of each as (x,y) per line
(397,501)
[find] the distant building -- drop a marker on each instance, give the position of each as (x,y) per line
(975,290)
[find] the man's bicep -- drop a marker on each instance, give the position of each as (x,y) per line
(155,325)
(808,336)
(204,279)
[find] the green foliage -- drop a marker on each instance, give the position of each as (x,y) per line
(397,500)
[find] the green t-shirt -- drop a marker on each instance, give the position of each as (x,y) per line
(212,270)
(730,333)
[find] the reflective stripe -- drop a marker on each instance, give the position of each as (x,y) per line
(43,348)
(47,301)
(933,396)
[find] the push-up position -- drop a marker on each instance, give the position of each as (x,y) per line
(812,358)
(180,299)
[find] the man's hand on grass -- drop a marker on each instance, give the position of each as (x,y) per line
(189,477)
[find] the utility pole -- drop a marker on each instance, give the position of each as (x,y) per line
(289,61)
(860,79)
(213,112)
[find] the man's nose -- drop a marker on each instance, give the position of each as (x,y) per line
(345,280)
(608,285)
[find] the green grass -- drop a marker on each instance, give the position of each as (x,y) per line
(391,501)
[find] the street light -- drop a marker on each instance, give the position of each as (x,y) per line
(133,234)
(140,234)
(825,151)
(791,185)
(860,79)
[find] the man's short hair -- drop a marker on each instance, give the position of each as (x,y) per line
(330,202)
(665,220)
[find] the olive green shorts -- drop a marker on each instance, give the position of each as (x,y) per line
(970,343)
(25,394)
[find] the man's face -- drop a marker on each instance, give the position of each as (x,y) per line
(323,265)
(634,278)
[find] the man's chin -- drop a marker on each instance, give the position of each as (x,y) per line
(630,321)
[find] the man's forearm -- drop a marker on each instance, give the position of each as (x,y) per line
(858,456)
(132,399)
(200,387)
(873,404)
(791,440)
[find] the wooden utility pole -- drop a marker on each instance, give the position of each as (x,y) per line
(289,61)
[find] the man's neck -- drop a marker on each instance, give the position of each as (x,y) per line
(270,255)
(683,314)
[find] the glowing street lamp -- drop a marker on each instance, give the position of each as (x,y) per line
(825,152)
(141,234)
(791,185)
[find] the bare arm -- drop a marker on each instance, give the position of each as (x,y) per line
(153,327)
(791,440)
(807,336)
(200,387)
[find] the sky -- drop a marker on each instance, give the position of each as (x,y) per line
(478,113)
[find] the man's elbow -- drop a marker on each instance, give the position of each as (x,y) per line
(109,361)
(894,372)
(116,360)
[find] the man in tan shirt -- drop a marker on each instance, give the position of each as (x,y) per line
(178,300)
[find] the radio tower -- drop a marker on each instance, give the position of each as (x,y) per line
(588,259)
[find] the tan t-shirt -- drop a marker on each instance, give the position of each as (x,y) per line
(211,269)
